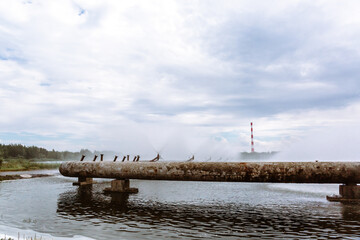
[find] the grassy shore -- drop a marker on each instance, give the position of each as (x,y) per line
(14,177)
(19,164)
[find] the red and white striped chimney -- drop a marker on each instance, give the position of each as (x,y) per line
(252,138)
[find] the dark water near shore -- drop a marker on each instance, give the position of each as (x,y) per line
(179,210)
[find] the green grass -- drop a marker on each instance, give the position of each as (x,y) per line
(19,164)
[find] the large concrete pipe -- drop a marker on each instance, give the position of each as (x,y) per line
(286,172)
(347,173)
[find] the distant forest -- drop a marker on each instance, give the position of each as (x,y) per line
(32,152)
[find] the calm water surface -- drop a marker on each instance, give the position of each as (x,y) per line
(178,210)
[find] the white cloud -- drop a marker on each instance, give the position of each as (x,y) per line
(103,74)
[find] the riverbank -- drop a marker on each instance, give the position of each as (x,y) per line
(19,164)
(22,176)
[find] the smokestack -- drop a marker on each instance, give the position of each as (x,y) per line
(95,157)
(115,158)
(82,158)
(101,157)
(252,138)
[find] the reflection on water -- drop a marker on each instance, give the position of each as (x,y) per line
(165,209)
(227,220)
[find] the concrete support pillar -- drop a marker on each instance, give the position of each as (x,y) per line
(348,193)
(83,181)
(121,186)
(121,200)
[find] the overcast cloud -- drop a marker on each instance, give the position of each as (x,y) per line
(142,76)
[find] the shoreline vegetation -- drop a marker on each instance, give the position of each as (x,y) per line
(17,157)
(36,153)
(20,164)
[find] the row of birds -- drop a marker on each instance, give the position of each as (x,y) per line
(127,157)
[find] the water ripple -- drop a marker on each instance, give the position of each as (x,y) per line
(190,210)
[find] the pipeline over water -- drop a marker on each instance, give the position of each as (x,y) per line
(285,172)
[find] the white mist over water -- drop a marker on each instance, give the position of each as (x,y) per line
(338,143)
(179,143)
(173,142)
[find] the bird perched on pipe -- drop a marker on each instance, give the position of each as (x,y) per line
(157,158)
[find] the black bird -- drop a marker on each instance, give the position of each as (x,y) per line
(191,159)
(115,158)
(82,158)
(157,158)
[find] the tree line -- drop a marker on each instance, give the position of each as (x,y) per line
(31,152)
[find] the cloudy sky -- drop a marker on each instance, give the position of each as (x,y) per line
(137,76)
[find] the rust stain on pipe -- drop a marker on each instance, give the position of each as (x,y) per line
(286,172)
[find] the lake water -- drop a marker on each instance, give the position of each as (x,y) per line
(52,207)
